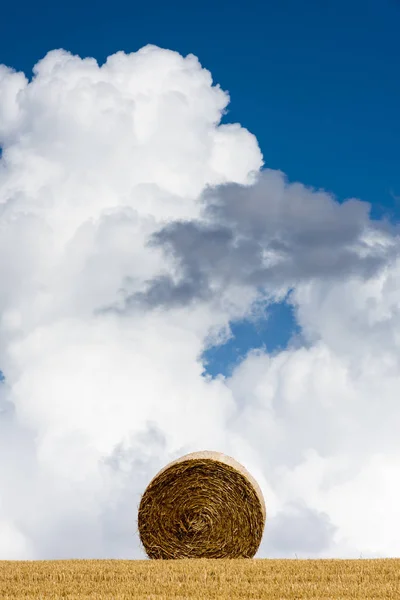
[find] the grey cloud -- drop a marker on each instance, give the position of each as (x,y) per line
(200,246)
(131,465)
(111,525)
(298,529)
(307,233)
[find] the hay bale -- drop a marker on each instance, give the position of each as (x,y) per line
(202,505)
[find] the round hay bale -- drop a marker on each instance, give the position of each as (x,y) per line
(202,505)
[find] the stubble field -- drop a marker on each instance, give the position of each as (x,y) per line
(201,579)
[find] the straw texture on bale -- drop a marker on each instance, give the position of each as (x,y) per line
(202,505)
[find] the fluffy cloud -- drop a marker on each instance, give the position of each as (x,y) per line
(134,228)
(273,235)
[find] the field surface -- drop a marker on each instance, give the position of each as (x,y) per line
(201,579)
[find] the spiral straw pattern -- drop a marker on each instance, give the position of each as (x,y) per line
(202,505)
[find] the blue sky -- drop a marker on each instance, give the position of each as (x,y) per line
(316,82)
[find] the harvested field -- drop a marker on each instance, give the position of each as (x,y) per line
(201,579)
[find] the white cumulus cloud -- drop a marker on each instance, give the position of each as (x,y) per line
(134,227)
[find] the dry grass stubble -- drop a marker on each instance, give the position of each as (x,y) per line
(201,579)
